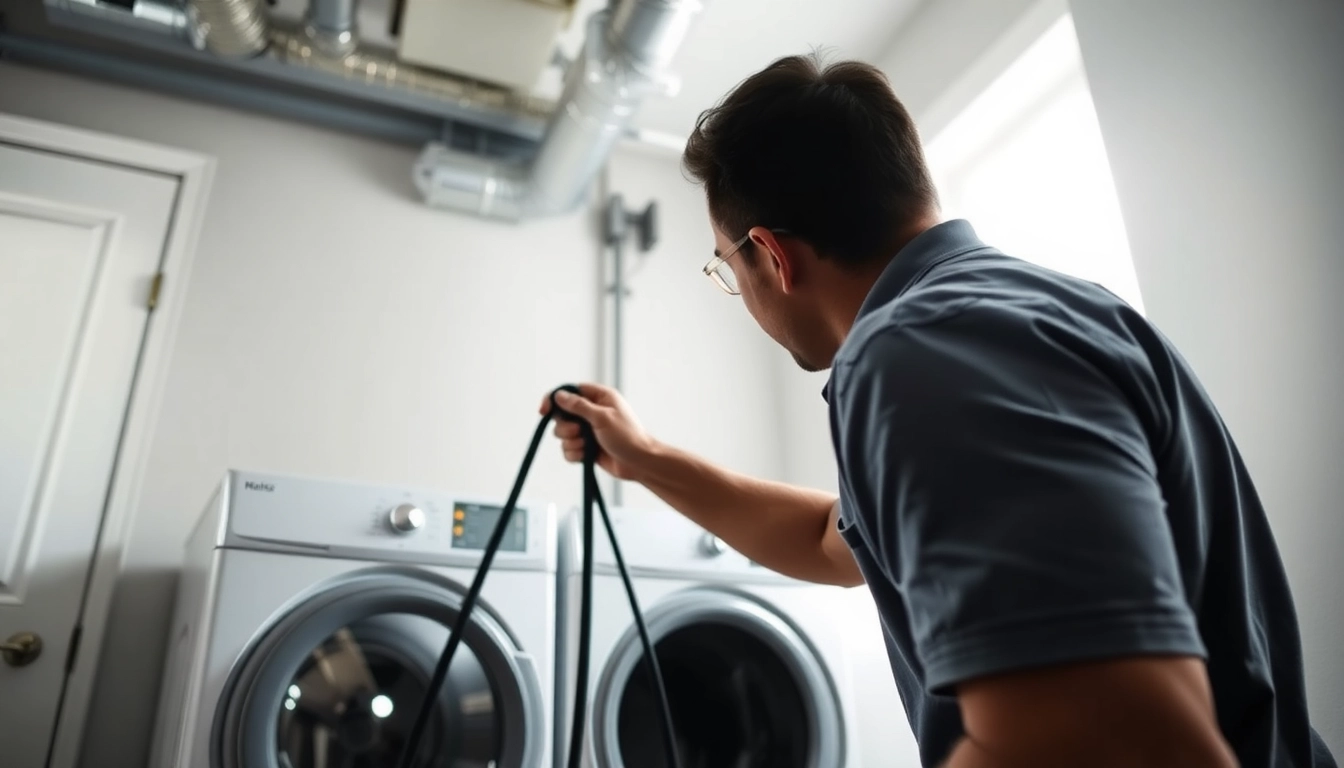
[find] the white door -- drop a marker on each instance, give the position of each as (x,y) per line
(80,243)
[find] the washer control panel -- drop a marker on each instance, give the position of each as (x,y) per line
(348,519)
(474,523)
(406,518)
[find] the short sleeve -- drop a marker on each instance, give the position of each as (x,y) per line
(1006,487)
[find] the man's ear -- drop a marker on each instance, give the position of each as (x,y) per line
(782,264)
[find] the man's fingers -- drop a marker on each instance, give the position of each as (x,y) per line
(579,406)
(566,430)
(595,392)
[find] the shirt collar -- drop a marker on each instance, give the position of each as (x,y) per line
(931,247)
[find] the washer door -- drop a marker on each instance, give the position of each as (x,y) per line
(337,680)
(745,688)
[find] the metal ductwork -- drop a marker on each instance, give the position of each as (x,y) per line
(292,57)
(229,27)
(625,59)
(330,25)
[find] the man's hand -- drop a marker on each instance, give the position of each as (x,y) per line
(625,446)
(785,528)
(1155,712)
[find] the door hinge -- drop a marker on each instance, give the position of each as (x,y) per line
(154,288)
(74,648)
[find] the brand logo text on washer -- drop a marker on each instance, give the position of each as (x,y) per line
(251,486)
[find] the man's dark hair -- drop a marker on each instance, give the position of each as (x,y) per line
(826,152)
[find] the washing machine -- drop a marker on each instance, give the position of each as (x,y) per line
(310,615)
(754,662)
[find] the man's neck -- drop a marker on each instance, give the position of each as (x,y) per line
(853,288)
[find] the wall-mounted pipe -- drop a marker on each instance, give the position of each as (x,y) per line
(624,60)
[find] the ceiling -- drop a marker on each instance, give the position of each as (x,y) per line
(732,39)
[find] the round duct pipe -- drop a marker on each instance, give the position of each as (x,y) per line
(330,26)
(234,28)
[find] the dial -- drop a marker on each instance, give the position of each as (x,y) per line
(712,545)
(406,518)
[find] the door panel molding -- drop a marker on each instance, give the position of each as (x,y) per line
(16,566)
(195,173)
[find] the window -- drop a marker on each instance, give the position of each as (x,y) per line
(1025,164)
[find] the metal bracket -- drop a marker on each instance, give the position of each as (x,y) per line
(618,222)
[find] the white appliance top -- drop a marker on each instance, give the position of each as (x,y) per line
(661,542)
(385,523)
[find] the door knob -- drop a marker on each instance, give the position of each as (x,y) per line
(21,649)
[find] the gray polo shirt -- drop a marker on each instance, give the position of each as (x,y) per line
(1030,475)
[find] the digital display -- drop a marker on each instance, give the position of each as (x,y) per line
(473,524)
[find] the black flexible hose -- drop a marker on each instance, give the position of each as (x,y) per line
(590,448)
(591,494)
(468,604)
(650,658)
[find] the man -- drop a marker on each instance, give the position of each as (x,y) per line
(1070,560)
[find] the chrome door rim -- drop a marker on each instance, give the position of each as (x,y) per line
(251,698)
(744,612)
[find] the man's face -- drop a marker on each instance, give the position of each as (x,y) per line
(764,274)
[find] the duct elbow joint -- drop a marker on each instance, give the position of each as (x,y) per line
(469,183)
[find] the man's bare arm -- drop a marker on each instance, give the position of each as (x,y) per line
(1155,712)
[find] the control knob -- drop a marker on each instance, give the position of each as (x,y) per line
(406,518)
(712,545)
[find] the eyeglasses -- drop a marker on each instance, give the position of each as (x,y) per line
(718,270)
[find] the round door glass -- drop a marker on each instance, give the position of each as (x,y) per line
(353,699)
(735,703)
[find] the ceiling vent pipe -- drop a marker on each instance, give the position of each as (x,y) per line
(625,59)
(232,28)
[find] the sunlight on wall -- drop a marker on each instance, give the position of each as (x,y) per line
(1025,164)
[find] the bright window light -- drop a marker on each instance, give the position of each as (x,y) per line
(1025,164)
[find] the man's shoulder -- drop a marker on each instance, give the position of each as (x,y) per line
(994,308)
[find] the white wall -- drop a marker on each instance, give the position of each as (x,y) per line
(949,50)
(696,364)
(1223,121)
(334,326)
